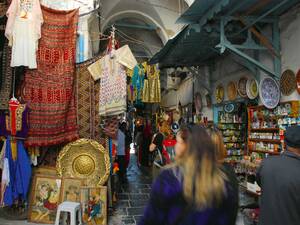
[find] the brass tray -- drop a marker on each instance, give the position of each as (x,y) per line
(219,94)
(232,91)
(85,159)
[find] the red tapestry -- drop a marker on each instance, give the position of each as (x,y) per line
(49,89)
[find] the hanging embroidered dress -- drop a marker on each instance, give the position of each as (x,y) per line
(23,30)
(113,88)
(137,81)
(152,90)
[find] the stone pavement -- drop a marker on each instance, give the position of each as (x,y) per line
(132,196)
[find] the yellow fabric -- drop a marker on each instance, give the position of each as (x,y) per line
(95,70)
(152,89)
(14,149)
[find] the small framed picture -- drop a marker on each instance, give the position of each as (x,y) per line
(70,189)
(44,199)
(94,205)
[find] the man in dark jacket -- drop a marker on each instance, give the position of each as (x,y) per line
(279,178)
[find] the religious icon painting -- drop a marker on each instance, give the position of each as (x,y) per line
(70,189)
(94,205)
(44,199)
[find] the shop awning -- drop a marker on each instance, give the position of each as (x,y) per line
(218,25)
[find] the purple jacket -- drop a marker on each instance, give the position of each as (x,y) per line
(167,205)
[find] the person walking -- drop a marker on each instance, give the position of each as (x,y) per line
(279,179)
(194,190)
(121,152)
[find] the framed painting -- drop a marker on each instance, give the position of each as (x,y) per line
(44,199)
(94,205)
(70,189)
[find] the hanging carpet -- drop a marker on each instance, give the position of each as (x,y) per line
(49,89)
(87,98)
(5,69)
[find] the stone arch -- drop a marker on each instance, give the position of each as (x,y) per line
(161,32)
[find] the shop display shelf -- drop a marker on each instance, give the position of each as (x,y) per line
(265,129)
(233,142)
(265,140)
(264,151)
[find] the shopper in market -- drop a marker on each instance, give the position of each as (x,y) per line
(279,179)
(121,152)
(194,190)
(156,148)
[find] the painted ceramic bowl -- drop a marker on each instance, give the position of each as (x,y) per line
(288,82)
(269,92)
(252,88)
(242,87)
(231,91)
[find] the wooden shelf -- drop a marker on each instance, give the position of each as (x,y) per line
(264,151)
(232,123)
(264,129)
(265,140)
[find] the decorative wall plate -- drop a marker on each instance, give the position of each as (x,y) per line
(252,88)
(219,93)
(298,81)
(229,108)
(269,92)
(242,84)
(287,82)
(85,159)
(198,103)
(232,91)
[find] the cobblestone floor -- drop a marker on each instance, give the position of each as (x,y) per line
(132,196)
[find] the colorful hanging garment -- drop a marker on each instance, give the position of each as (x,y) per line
(152,91)
(113,88)
(87,97)
(20,121)
(50,88)
(23,30)
(6,76)
(17,174)
(137,81)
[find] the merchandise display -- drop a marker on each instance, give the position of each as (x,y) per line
(232,123)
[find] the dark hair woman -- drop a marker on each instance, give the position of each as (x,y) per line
(195,190)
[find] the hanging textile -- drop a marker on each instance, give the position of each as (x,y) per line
(20,121)
(50,88)
(87,98)
(17,174)
(137,81)
(23,31)
(113,88)
(5,70)
(152,90)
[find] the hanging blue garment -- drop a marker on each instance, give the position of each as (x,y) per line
(138,82)
(20,174)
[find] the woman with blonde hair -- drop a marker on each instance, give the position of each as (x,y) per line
(195,190)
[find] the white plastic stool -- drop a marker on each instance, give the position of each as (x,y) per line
(69,207)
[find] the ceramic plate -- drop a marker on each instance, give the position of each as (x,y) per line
(287,82)
(269,92)
(219,93)
(298,81)
(242,87)
(252,88)
(231,91)
(229,108)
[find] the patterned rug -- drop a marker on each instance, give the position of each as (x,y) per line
(6,77)
(87,98)
(49,89)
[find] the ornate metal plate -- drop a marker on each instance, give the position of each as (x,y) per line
(219,93)
(298,81)
(269,92)
(287,82)
(252,88)
(85,159)
(242,84)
